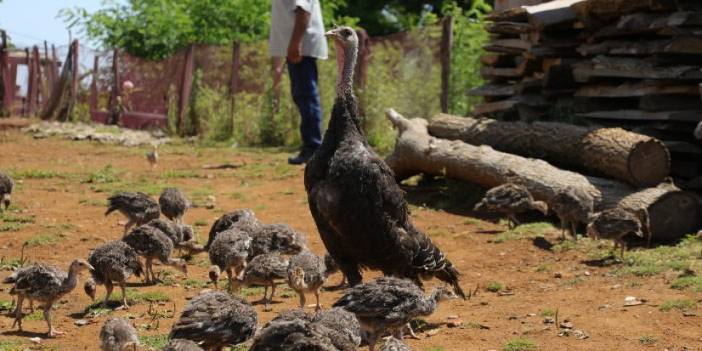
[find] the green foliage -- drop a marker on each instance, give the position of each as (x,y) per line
(519,344)
(154,341)
(469,36)
(679,304)
(7,306)
(11,345)
(155,29)
(44,239)
(647,340)
(693,282)
(8,218)
(547,312)
(654,261)
(33,174)
(494,287)
(106,175)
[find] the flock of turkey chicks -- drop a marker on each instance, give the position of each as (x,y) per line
(573,207)
(250,253)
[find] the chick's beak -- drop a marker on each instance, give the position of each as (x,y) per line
(91,268)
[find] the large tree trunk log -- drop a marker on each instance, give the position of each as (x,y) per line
(673,213)
(639,160)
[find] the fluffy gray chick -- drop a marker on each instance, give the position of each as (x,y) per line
(244,220)
(264,270)
(139,208)
(153,244)
(307,273)
(6,187)
(174,204)
(229,252)
(118,334)
(276,238)
(113,262)
(181,345)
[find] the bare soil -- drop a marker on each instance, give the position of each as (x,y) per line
(67,200)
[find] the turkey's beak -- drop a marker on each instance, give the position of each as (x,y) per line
(333,34)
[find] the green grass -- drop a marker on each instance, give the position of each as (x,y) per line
(154,341)
(519,344)
(10,227)
(678,304)
(194,283)
(574,281)
(134,297)
(103,176)
(650,262)
(435,348)
(37,315)
(97,311)
(647,340)
(179,174)
(544,267)
(8,218)
(682,283)
(200,223)
(93,202)
(34,174)
(252,291)
(530,230)
(44,239)
(547,312)
(11,345)
(494,287)
(10,264)
(7,306)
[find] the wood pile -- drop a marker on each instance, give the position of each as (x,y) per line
(613,63)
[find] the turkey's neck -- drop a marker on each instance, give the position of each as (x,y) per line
(346,61)
(71,280)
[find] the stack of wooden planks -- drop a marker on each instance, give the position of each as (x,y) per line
(635,64)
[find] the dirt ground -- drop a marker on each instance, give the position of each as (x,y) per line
(61,197)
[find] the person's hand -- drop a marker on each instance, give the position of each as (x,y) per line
(295,53)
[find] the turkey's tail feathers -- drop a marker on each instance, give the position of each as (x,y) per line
(450,275)
(110,210)
(431,261)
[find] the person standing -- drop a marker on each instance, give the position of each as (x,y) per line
(297,34)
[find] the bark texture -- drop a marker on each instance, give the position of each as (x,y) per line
(639,160)
(673,213)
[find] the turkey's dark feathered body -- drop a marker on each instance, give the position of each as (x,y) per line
(150,242)
(243,220)
(173,203)
(138,207)
(6,187)
(114,261)
(360,210)
(215,320)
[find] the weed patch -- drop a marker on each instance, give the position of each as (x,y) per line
(519,344)
(679,304)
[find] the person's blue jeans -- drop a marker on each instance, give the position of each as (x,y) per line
(303,84)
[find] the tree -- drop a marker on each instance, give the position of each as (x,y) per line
(155,29)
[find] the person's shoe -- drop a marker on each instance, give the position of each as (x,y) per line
(302,157)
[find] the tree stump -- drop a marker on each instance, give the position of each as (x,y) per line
(673,213)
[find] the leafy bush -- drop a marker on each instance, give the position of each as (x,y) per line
(469,36)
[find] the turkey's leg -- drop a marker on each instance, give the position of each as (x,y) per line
(302,299)
(123,286)
(18,313)
(318,307)
(47,316)
(231,279)
(108,292)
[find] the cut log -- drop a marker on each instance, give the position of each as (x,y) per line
(509,28)
(678,45)
(633,158)
(673,213)
(616,67)
(638,115)
(637,90)
(495,90)
(508,46)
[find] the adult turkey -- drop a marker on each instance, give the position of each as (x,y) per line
(359,209)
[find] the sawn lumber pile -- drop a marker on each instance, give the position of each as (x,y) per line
(614,63)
